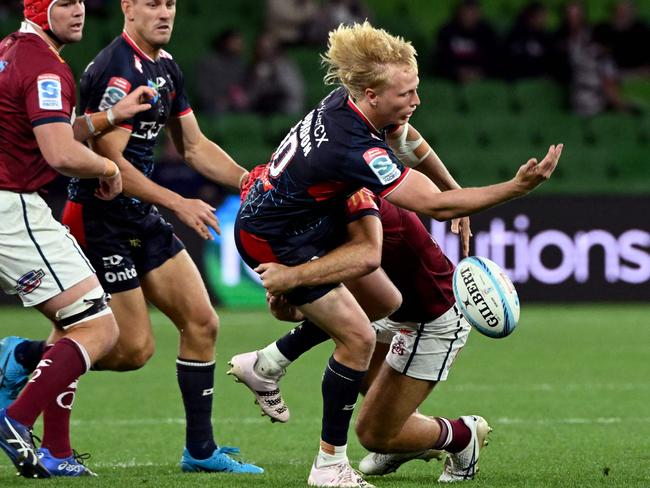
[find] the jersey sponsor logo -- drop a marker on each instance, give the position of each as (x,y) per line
(3,65)
(116,90)
(28,282)
(112,261)
(49,92)
(124,275)
(381,165)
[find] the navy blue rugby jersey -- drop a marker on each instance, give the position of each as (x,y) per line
(326,157)
(115,71)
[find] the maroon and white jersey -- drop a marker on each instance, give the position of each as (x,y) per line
(36,87)
(411,258)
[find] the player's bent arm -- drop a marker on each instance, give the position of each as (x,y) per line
(419,194)
(202,154)
(357,257)
(112,144)
(94,124)
(360,255)
(66,155)
(414,151)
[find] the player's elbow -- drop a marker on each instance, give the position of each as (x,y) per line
(369,259)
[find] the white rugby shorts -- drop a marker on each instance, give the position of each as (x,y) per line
(426,350)
(38,257)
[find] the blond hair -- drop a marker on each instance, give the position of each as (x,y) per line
(357,56)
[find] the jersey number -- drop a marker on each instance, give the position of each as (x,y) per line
(284,154)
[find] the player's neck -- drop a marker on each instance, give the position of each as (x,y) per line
(144,46)
(57,46)
(367,111)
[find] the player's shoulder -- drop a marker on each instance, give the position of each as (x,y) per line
(116,59)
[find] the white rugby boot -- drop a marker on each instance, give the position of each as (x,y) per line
(265,388)
(380,464)
(339,475)
(463,465)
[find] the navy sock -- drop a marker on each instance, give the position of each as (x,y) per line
(29,353)
(300,340)
(340,391)
(196,381)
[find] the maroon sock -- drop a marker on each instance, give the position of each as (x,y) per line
(454,435)
(56,423)
(59,367)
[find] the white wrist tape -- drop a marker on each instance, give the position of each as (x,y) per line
(405,150)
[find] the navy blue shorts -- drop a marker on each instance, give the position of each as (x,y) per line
(122,242)
(290,251)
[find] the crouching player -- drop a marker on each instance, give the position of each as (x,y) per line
(419,342)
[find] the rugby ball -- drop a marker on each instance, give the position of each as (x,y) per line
(486,296)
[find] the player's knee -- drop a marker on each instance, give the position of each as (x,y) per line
(357,346)
(204,327)
(371,438)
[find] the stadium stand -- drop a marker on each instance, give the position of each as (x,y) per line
(482,130)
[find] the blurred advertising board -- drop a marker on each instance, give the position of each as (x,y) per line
(555,248)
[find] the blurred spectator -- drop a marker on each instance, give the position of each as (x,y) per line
(529,44)
(10,8)
(290,21)
(334,13)
(628,38)
(467,45)
(274,84)
(220,75)
(592,74)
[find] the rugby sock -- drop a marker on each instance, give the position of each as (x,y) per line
(454,435)
(29,353)
(56,423)
(196,382)
(300,340)
(60,366)
(270,361)
(326,459)
(340,391)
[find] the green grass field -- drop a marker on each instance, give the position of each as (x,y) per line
(567,396)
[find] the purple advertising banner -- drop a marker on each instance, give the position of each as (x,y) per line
(561,248)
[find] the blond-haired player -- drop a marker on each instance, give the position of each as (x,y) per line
(292,212)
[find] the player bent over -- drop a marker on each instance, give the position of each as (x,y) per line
(39,260)
(291,214)
(419,342)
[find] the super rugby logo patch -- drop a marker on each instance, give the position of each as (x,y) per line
(116,90)
(28,282)
(49,92)
(381,165)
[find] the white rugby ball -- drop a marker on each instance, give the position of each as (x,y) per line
(486,296)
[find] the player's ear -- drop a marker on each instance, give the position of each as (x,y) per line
(127,9)
(371,96)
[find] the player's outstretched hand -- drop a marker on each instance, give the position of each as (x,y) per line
(198,215)
(135,102)
(532,174)
(461,226)
(109,187)
(276,278)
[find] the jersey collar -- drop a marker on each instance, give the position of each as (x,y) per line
(135,47)
(365,119)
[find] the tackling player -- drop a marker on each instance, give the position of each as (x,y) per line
(419,341)
(39,260)
(291,214)
(138,257)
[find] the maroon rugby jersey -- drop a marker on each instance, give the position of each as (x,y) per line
(411,258)
(36,87)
